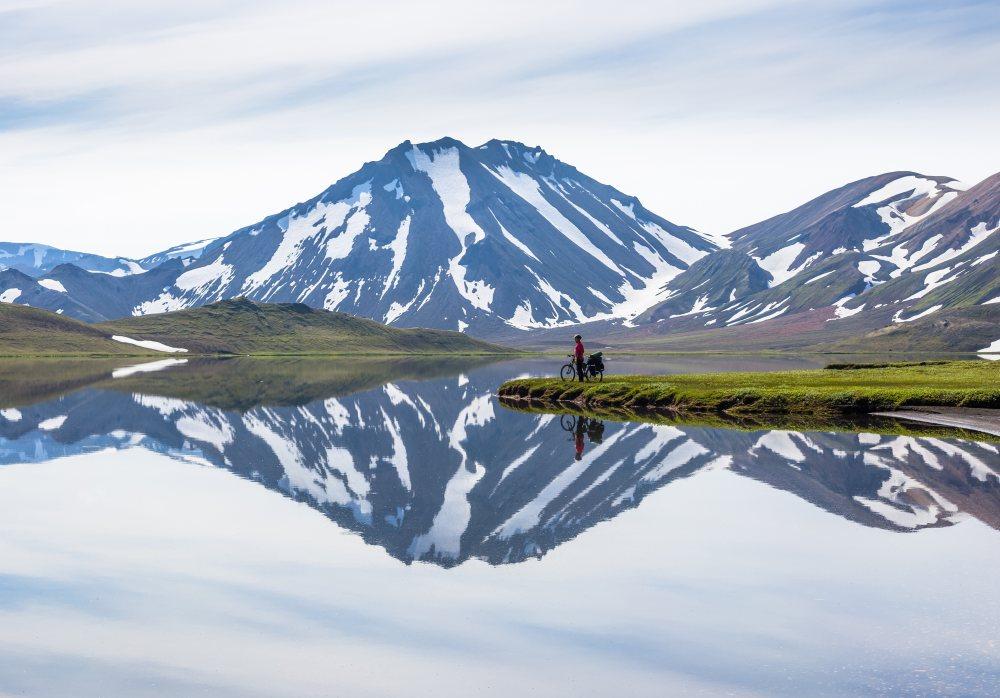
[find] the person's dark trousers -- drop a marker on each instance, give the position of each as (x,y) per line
(579,370)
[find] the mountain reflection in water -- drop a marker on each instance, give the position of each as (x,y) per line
(419,458)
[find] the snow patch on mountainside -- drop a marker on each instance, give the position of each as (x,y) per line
(10,295)
(840,311)
(201,279)
(935,279)
(398,249)
(561,191)
(337,294)
(821,276)
(900,257)
(916,186)
(898,317)
(190,248)
(977,235)
(893,214)
(985,258)
(868,268)
(516,243)
(526,187)
(52,423)
(52,285)
(147,344)
(298,229)
(779,264)
(639,300)
(164,303)
(700,305)
(449,183)
(675,246)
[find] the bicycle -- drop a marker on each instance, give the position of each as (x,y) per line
(568,371)
(593,368)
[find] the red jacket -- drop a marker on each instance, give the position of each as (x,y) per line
(579,351)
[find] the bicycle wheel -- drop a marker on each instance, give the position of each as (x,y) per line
(600,376)
(567,422)
(567,372)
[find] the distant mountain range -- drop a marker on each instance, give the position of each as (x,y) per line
(507,242)
(433,470)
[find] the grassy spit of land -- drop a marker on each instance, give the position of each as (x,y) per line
(843,389)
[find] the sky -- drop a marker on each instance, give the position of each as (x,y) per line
(128,127)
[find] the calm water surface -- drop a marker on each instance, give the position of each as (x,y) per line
(306,528)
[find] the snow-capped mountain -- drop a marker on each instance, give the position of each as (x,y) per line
(436,470)
(875,253)
(858,217)
(830,236)
(509,243)
(442,235)
(34,259)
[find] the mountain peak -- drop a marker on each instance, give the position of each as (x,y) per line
(431,146)
(512,150)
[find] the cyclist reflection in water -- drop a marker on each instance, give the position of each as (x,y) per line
(593,428)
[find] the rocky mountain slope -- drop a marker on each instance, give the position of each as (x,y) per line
(907,247)
(851,241)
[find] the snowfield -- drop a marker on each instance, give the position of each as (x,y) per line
(147,344)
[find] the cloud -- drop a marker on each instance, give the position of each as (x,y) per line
(300,93)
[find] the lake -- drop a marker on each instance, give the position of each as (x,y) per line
(304,527)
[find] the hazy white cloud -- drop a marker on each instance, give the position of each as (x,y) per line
(124,129)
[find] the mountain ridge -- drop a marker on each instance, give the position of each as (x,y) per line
(507,242)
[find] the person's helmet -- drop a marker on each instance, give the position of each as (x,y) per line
(578,338)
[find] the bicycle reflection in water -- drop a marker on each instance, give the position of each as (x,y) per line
(580,426)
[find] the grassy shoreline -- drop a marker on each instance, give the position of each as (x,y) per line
(763,421)
(809,392)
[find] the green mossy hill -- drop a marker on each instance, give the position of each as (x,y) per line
(824,391)
(28,331)
(241,326)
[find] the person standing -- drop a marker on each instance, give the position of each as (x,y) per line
(578,354)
